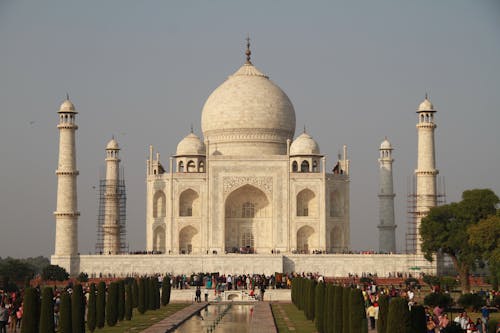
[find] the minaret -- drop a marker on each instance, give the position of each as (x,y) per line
(387,236)
(66,213)
(111,226)
(426,168)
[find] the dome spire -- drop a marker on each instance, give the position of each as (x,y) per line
(248,53)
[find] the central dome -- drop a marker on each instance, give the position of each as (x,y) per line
(248,115)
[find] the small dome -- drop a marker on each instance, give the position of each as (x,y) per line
(67,106)
(426,105)
(191,145)
(304,145)
(112,145)
(385,145)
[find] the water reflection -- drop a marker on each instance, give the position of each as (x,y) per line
(220,318)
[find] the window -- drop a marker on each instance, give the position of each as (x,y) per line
(304,166)
(181,167)
(248,210)
(295,166)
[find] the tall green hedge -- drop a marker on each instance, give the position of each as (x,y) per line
(337,310)
(141,300)
(346,305)
(101,305)
(330,298)
(165,290)
(319,300)
(112,304)
(418,321)
(91,308)
(47,311)
(128,301)
(357,313)
(152,293)
(383,312)
(398,320)
(78,309)
(121,300)
(31,311)
(65,325)
(135,293)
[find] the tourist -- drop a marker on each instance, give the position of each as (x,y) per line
(4,317)
(371,312)
(485,313)
(443,321)
(480,326)
(198,294)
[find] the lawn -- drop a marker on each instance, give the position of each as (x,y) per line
(140,322)
(290,319)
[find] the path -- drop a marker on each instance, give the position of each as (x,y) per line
(262,319)
(170,323)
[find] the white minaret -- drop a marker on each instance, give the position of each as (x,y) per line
(66,214)
(426,165)
(111,226)
(387,226)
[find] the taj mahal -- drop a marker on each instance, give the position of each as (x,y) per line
(251,195)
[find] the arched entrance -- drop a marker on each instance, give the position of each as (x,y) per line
(248,217)
(188,240)
(305,240)
(159,239)
(336,240)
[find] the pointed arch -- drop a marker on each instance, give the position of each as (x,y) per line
(188,240)
(191,166)
(159,239)
(189,203)
(336,239)
(307,203)
(159,204)
(304,166)
(295,166)
(305,239)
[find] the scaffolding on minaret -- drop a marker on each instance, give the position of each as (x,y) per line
(122,207)
(411,211)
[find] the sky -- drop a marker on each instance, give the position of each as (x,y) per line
(141,70)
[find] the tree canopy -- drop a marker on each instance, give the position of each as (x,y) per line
(54,273)
(445,230)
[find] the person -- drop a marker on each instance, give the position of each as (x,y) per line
(431,326)
(443,321)
(485,313)
(370,311)
(198,294)
(480,326)
(4,318)
(262,291)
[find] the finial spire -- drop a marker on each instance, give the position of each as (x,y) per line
(67,96)
(305,129)
(426,95)
(191,127)
(248,53)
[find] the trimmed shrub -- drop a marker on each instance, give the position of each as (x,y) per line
(152,293)
(47,311)
(135,293)
(165,291)
(311,288)
(83,277)
(383,312)
(448,283)
(330,298)
(128,301)
(319,300)
(141,304)
(100,305)
(54,273)
(418,321)
(492,325)
(346,305)
(78,309)
(471,302)
(337,309)
(112,304)
(357,313)
(91,309)
(438,299)
(31,311)
(121,300)
(398,320)
(65,325)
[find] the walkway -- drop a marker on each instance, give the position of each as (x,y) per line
(172,322)
(262,319)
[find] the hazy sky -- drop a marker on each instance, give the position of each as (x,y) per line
(142,70)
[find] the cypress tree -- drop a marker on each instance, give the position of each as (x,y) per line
(112,304)
(121,300)
(345,310)
(319,300)
(128,301)
(398,320)
(383,311)
(141,300)
(78,309)
(64,314)
(312,302)
(91,309)
(135,293)
(147,293)
(152,293)
(101,304)
(164,286)
(357,313)
(337,309)
(330,298)
(47,311)
(30,318)
(418,320)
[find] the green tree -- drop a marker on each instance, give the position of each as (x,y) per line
(357,313)
(135,293)
(398,320)
(112,304)
(319,299)
(54,273)
(16,270)
(330,299)
(418,320)
(445,230)
(337,310)
(91,309)
(121,300)
(152,293)
(31,311)
(128,301)
(141,299)
(78,309)
(165,290)
(101,304)
(64,314)
(346,306)
(383,312)
(485,235)
(47,311)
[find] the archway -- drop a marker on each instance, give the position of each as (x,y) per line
(159,203)
(189,203)
(188,238)
(336,239)
(305,239)
(159,239)
(248,221)
(307,204)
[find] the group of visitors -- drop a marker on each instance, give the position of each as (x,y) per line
(11,311)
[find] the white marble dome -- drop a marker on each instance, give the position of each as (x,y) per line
(67,106)
(248,115)
(112,145)
(385,144)
(426,105)
(191,145)
(304,144)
